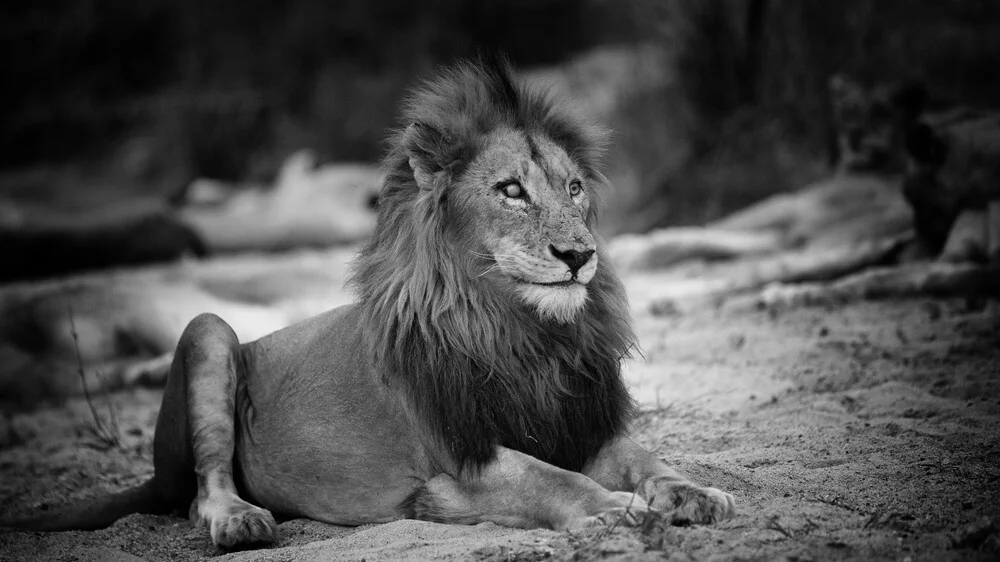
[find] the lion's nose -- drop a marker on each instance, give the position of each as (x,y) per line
(575,259)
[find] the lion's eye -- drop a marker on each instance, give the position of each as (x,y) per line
(575,187)
(513,190)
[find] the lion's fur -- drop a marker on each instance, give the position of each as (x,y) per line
(479,366)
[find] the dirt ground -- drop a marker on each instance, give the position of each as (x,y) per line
(866,431)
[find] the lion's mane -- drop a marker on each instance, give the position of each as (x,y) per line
(475,364)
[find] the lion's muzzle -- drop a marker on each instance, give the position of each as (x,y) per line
(573,258)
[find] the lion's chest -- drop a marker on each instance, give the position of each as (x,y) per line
(557,415)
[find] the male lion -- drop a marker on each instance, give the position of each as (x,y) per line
(477,377)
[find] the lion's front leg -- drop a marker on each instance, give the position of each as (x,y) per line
(624,465)
(518,490)
(206,360)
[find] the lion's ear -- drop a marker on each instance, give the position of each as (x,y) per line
(424,178)
(424,145)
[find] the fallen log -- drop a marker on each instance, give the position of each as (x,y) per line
(819,206)
(309,206)
(936,279)
(665,247)
(842,211)
(788,267)
(39,242)
(128,322)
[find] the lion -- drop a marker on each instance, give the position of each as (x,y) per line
(945,161)
(953,184)
(870,123)
(476,377)
(858,204)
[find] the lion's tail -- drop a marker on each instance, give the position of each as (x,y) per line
(96,513)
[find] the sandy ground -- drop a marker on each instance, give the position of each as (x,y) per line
(867,431)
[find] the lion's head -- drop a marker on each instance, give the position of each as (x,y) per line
(513,181)
(530,223)
(484,285)
(871,122)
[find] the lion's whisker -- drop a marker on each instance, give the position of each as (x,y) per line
(488,270)
(493,257)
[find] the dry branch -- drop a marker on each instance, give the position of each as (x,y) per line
(108,433)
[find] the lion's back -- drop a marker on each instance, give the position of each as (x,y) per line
(325,344)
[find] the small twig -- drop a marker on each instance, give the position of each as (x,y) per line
(631,500)
(604,532)
(104,433)
(648,520)
(873,519)
(774,525)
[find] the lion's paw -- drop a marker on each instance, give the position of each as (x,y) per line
(236,523)
(685,502)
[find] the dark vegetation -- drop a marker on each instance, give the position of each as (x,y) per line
(754,73)
(157,92)
(231,86)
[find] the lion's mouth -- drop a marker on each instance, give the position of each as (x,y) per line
(554,284)
(569,283)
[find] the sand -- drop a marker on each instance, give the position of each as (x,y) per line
(866,431)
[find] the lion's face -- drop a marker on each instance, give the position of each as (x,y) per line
(871,122)
(865,124)
(529,201)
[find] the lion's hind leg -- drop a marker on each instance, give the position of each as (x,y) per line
(517,490)
(208,355)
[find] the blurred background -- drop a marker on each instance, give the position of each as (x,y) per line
(148,131)
(716,103)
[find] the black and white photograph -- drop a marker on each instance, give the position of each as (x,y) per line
(500,280)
